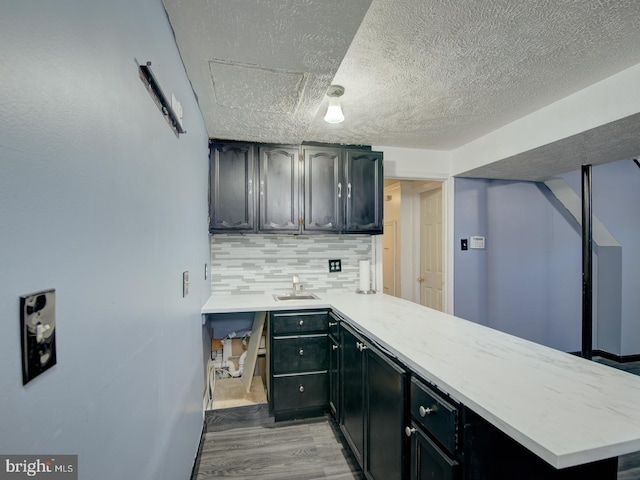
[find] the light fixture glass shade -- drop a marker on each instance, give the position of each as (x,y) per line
(334,111)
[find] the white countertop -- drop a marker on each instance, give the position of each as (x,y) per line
(567,410)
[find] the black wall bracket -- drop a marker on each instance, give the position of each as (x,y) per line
(153,87)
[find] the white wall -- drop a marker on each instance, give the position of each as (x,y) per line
(100,200)
(412,163)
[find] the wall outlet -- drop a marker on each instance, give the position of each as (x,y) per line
(38,333)
(185,284)
(335,266)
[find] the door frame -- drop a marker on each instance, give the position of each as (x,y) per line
(447,184)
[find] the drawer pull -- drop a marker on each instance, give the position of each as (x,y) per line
(301,322)
(335,347)
(333,324)
(408,431)
(301,388)
(426,411)
(301,352)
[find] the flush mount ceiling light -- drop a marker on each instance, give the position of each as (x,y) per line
(334,111)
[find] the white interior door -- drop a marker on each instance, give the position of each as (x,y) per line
(389,258)
(431,277)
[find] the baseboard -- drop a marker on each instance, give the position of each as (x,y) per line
(196,461)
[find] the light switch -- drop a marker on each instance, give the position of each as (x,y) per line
(464,244)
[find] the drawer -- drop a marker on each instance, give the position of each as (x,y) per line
(291,323)
(300,354)
(436,415)
(300,391)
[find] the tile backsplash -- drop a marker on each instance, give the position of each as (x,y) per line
(243,264)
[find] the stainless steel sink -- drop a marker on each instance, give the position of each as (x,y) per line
(295,296)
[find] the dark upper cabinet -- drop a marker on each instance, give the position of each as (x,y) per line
(232,195)
(364,191)
(343,190)
(323,190)
(279,189)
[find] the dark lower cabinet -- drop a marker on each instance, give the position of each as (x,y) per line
(298,363)
(352,398)
(334,377)
(428,461)
(385,440)
(372,407)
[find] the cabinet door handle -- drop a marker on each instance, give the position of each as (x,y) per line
(408,431)
(334,347)
(426,411)
(301,352)
(361,346)
(349,190)
(301,388)
(261,187)
(339,190)
(333,324)
(301,322)
(250,186)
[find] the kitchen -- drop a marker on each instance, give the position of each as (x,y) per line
(102,202)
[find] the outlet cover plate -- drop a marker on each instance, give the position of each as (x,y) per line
(38,333)
(185,283)
(335,266)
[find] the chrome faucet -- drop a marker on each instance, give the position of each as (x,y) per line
(298,286)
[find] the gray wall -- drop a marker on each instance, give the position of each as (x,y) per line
(100,200)
(527,281)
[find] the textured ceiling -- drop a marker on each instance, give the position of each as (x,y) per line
(261,68)
(423,74)
(440,73)
(613,141)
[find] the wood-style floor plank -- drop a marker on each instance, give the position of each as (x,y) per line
(283,451)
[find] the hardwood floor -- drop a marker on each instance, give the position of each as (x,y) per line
(256,448)
(244,443)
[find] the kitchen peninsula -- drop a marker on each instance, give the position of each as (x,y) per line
(566,410)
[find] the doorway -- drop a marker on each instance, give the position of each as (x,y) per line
(413,246)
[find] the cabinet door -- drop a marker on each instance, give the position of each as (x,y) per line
(364,192)
(232,189)
(278,189)
(385,387)
(352,399)
(334,377)
(428,462)
(324,190)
